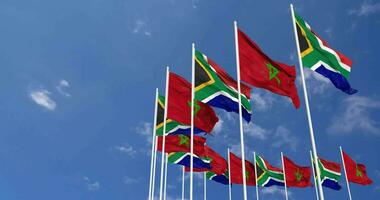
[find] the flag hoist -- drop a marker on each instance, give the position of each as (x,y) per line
(153,157)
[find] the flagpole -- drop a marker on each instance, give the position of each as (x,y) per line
(153,147)
(166,174)
(229,176)
(204,186)
(345,173)
(257,184)
(283,168)
(240,111)
(192,119)
(164,132)
(315,181)
(154,167)
(183,182)
(315,155)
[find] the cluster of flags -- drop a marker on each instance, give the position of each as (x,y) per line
(187,109)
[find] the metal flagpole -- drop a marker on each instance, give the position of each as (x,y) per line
(166,174)
(204,186)
(315,181)
(153,147)
(229,176)
(345,173)
(183,183)
(283,168)
(164,132)
(315,155)
(154,167)
(192,119)
(257,184)
(240,112)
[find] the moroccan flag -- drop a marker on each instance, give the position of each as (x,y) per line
(318,56)
(259,70)
(356,172)
(222,178)
(330,174)
(183,158)
(218,163)
(236,171)
(215,87)
(268,175)
(179,106)
(181,143)
(172,127)
(296,176)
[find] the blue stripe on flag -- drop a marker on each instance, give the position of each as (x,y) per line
(229,105)
(331,184)
(337,79)
(197,163)
(220,179)
(273,182)
(186,131)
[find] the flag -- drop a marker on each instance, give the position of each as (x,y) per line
(330,174)
(356,172)
(215,87)
(268,175)
(183,158)
(318,56)
(257,69)
(172,127)
(222,178)
(179,105)
(236,171)
(296,176)
(218,163)
(181,143)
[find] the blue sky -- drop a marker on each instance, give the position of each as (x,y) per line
(78,80)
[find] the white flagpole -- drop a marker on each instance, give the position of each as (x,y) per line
(204,186)
(192,119)
(183,183)
(283,168)
(240,111)
(164,132)
(345,172)
(257,184)
(166,174)
(315,154)
(229,176)
(315,181)
(154,167)
(153,147)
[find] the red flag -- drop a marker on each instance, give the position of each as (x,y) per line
(259,70)
(356,172)
(217,162)
(236,171)
(179,105)
(181,143)
(296,176)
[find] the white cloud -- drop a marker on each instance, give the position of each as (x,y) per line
(283,137)
(366,8)
(315,82)
(145,129)
(141,27)
(328,32)
(255,131)
(60,87)
(356,115)
(41,97)
(91,185)
(274,190)
(218,126)
(262,101)
(126,149)
(129,180)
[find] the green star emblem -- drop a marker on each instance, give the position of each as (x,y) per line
(273,73)
(197,107)
(183,140)
(358,172)
(247,175)
(298,175)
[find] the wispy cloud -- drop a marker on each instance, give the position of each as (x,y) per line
(126,149)
(91,185)
(145,129)
(61,86)
(41,97)
(329,32)
(274,190)
(283,137)
(130,180)
(262,101)
(315,82)
(256,131)
(365,9)
(356,115)
(140,27)
(218,126)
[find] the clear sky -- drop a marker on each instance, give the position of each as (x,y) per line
(77,89)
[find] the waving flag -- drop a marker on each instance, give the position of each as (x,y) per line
(330,174)
(318,56)
(296,176)
(181,143)
(237,171)
(183,158)
(261,71)
(216,88)
(218,163)
(356,172)
(223,178)
(268,175)
(179,105)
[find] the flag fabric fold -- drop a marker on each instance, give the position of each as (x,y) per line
(183,158)
(217,88)
(237,171)
(330,174)
(296,176)
(267,175)
(181,143)
(259,70)
(356,172)
(318,56)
